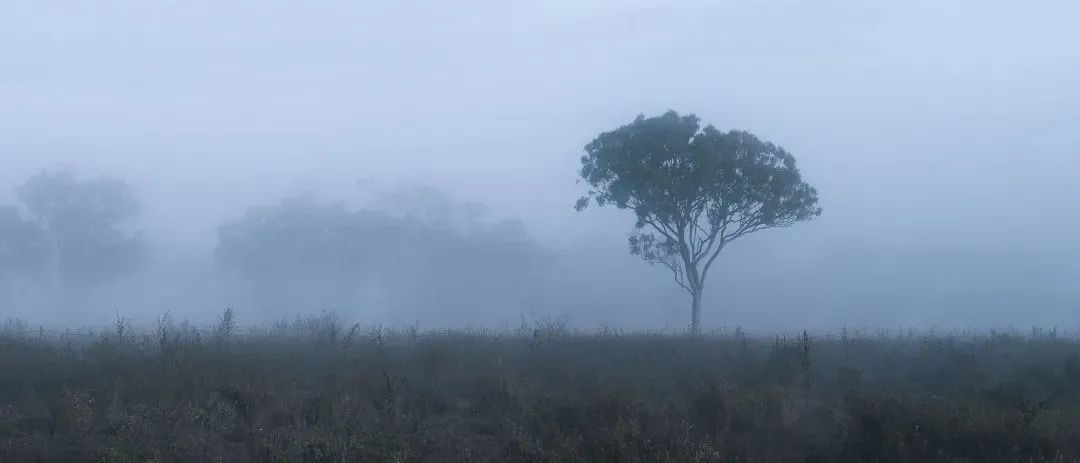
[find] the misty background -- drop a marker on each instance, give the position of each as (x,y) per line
(941,137)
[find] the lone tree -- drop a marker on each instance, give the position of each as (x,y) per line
(694,191)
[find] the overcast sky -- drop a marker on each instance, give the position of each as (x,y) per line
(925,125)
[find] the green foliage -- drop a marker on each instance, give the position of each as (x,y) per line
(693,190)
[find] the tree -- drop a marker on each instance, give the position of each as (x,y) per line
(304,251)
(299,238)
(83,223)
(694,191)
(23,244)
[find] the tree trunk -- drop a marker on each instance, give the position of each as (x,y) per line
(695,314)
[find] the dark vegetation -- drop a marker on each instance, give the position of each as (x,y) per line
(316,389)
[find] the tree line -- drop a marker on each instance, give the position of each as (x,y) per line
(693,190)
(70,236)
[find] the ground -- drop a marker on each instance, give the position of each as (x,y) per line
(313,390)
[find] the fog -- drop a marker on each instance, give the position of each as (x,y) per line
(941,137)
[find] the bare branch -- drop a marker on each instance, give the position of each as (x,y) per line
(676,269)
(661,228)
(749,225)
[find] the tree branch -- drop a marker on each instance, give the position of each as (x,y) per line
(708,264)
(677,271)
(661,228)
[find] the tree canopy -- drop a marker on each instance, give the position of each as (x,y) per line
(23,244)
(83,225)
(305,253)
(693,190)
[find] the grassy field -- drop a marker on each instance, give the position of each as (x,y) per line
(317,390)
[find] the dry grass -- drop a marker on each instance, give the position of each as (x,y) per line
(316,390)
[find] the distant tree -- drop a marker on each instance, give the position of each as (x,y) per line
(23,245)
(693,191)
(83,223)
(304,253)
(300,236)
